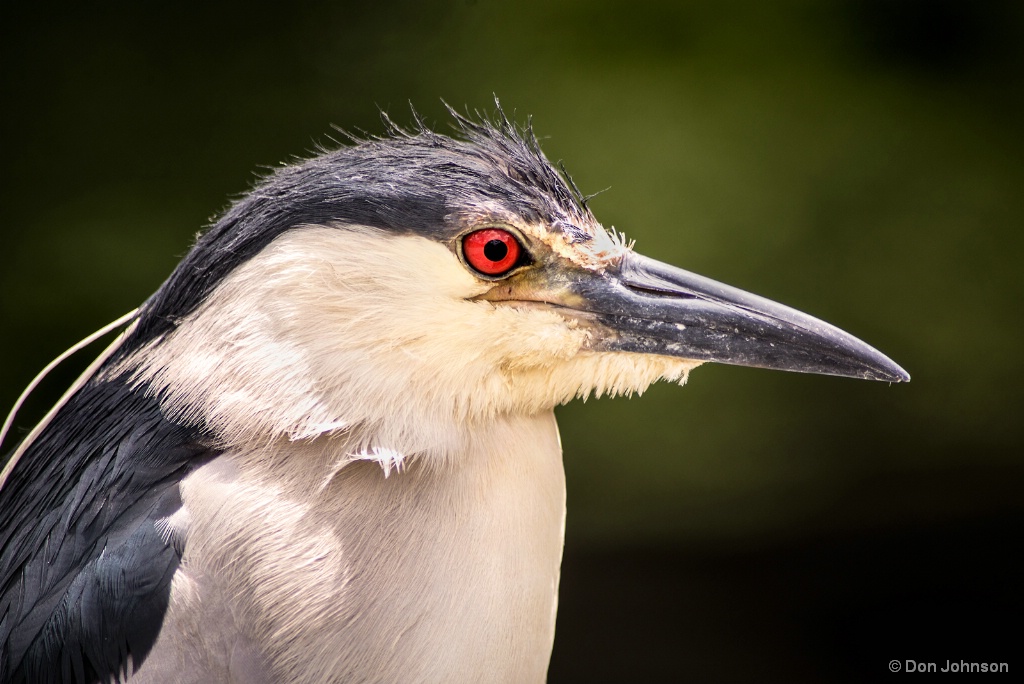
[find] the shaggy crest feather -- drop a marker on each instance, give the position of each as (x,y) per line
(415,181)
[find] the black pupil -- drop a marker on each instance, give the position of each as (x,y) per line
(495,250)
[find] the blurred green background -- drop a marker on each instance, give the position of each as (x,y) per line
(862,160)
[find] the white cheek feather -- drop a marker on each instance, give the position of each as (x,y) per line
(333,329)
(387,459)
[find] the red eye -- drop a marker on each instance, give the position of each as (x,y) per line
(491,251)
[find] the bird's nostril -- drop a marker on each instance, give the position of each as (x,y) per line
(658,292)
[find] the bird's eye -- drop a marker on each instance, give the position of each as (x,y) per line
(492,251)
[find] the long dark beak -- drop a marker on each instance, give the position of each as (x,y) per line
(650,307)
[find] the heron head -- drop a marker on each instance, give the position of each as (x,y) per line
(454,278)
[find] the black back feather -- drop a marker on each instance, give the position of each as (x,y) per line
(84,574)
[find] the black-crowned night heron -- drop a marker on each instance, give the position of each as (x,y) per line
(324,450)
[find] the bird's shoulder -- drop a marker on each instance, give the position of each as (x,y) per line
(85,572)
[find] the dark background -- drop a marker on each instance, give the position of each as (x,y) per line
(862,160)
